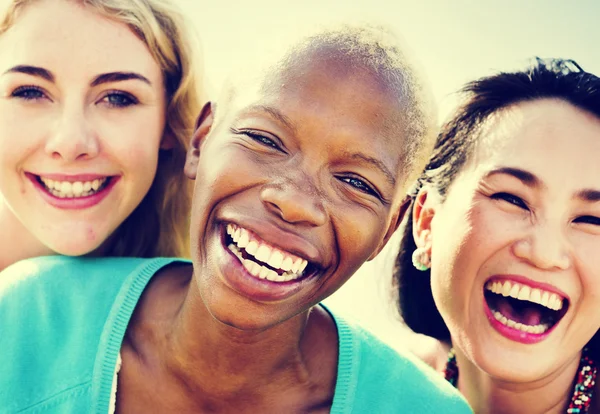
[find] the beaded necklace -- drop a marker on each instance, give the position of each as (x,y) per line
(585,380)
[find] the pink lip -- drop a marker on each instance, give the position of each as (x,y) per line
(72,203)
(528,282)
(261,290)
(515,334)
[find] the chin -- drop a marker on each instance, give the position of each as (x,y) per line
(513,367)
(75,247)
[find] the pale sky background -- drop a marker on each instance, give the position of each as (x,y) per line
(454,41)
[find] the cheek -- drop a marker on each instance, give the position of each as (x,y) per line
(587,263)
(358,233)
(21,133)
(458,244)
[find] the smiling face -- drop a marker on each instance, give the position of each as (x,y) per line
(82,111)
(514,246)
(295,189)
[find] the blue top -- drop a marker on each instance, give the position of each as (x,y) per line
(64,319)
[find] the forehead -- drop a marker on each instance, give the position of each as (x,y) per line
(548,137)
(70,38)
(347,106)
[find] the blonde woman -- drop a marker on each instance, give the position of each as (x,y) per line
(97,100)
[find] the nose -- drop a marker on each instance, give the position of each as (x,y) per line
(544,247)
(72,138)
(295,203)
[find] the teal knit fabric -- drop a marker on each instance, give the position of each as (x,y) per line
(63,321)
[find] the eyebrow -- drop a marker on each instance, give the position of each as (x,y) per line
(589,195)
(277,114)
(524,176)
(33,71)
(119,77)
(375,163)
(98,80)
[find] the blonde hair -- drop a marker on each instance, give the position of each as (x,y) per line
(159,226)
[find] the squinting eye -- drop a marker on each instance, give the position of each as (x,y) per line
(28,93)
(588,220)
(360,185)
(261,139)
(510,198)
(119,99)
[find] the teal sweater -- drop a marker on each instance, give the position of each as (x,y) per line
(63,322)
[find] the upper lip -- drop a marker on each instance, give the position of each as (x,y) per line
(529,282)
(282,239)
(72,177)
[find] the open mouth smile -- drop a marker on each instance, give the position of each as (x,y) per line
(263,260)
(528,313)
(73,189)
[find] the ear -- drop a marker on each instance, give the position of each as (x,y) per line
(394,224)
(201,130)
(423,212)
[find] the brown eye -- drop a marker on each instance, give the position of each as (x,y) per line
(260,138)
(510,198)
(360,185)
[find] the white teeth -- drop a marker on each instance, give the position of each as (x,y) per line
(536,296)
(67,189)
(236,235)
(292,266)
(275,260)
(263,253)
(296,265)
(524,292)
(535,329)
(252,247)
(287,264)
(244,238)
(77,188)
(248,264)
(303,266)
(264,272)
(506,289)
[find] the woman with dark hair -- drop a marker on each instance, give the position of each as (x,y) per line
(500,261)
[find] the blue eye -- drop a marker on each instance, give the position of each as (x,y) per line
(28,93)
(510,198)
(119,99)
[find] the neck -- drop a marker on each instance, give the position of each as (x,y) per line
(16,241)
(488,395)
(218,363)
